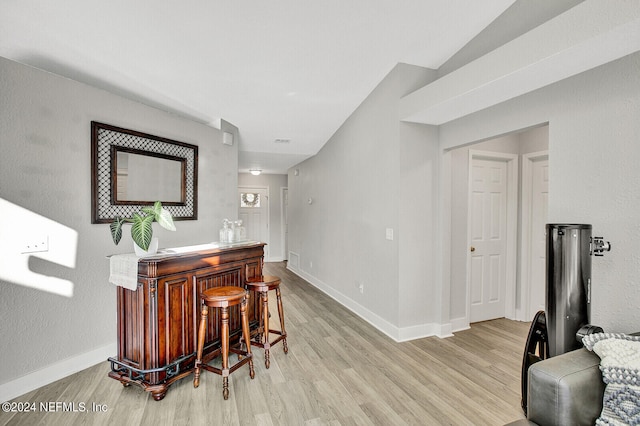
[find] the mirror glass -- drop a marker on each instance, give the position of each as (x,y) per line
(143,178)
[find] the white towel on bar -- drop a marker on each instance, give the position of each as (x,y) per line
(124,270)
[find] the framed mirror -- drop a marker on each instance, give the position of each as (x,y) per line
(132,169)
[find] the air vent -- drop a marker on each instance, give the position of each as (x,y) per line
(282,141)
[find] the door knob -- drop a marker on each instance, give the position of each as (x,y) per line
(473,248)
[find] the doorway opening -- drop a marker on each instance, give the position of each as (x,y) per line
(254,213)
(525,153)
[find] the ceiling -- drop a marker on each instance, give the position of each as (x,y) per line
(569,39)
(287,73)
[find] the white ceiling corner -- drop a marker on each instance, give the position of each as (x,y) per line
(584,37)
(289,69)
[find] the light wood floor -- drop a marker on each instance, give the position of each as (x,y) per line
(339,371)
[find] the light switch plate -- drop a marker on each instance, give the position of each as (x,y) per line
(36,244)
(390,234)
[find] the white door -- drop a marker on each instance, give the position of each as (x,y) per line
(254,208)
(488,239)
(539,208)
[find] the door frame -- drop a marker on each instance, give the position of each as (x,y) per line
(267,253)
(524,314)
(511,258)
(283,221)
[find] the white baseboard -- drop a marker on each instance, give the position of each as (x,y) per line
(404,334)
(56,371)
(274,259)
(399,334)
(443,330)
(459,324)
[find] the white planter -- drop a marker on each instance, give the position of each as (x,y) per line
(153,248)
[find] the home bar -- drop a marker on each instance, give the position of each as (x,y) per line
(157,323)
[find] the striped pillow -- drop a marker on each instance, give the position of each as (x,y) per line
(620,366)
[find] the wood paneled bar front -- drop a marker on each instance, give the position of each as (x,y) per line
(157,322)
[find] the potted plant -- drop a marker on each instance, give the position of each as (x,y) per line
(141,228)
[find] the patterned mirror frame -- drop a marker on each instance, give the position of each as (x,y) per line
(103,138)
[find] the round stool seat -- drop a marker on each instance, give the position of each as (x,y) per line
(266,283)
(217,297)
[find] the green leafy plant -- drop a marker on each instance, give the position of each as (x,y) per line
(141,228)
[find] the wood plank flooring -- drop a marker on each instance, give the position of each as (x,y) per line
(339,371)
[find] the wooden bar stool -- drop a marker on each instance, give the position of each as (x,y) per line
(262,286)
(223,298)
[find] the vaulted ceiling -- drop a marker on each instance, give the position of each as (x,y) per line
(287,73)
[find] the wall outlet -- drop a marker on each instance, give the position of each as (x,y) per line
(361,288)
(35,245)
(311,264)
(389,234)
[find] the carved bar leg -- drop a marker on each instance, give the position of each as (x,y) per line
(246,335)
(281,316)
(201,332)
(224,340)
(265,321)
(158,396)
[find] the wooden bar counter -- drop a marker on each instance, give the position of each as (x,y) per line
(157,322)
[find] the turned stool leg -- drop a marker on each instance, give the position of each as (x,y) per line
(246,336)
(281,316)
(224,341)
(243,342)
(265,324)
(201,331)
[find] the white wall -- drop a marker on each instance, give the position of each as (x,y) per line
(338,241)
(594,153)
(418,222)
(45,168)
(274,185)
(358,190)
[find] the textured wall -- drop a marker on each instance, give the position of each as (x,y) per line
(355,183)
(45,168)
(593,157)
